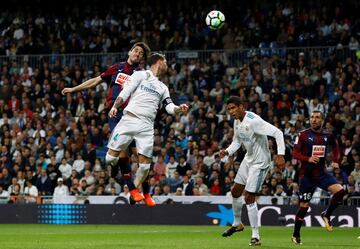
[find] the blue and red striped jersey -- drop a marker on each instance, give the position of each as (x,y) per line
(116,76)
(310,143)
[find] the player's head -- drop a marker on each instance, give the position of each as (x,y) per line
(235,107)
(317,119)
(138,53)
(159,61)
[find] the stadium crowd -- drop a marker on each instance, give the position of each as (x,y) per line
(53,144)
(85,28)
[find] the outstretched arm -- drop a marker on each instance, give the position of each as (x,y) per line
(83,86)
(170,107)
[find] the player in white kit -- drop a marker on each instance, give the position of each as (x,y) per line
(251,131)
(147,93)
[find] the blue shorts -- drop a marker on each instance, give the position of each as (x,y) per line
(308,186)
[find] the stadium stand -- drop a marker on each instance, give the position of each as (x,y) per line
(284,63)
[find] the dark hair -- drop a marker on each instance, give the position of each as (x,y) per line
(234,100)
(155,57)
(145,48)
(322,115)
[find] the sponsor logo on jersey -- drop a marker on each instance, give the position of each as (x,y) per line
(150,90)
(121,79)
(318,150)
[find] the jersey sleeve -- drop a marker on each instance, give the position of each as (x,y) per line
(167,102)
(236,143)
(298,148)
(131,85)
(261,127)
(109,72)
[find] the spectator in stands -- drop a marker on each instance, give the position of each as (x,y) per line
(4,195)
(61,190)
(113,184)
(125,193)
(31,192)
(186,186)
(43,183)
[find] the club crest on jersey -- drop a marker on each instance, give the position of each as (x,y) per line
(318,150)
(121,79)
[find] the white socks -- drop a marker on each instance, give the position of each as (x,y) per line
(237,204)
(141,174)
(253,218)
(111,160)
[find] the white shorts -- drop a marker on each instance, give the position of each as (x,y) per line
(130,128)
(251,176)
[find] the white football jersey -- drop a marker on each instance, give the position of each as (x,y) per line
(252,132)
(147,92)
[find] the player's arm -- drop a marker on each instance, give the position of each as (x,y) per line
(170,107)
(297,150)
(93,81)
(234,146)
(83,86)
(262,127)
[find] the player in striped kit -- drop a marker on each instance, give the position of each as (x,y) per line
(251,131)
(311,148)
(116,76)
(147,93)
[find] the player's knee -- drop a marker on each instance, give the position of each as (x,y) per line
(235,193)
(338,197)
(111,160)
(249,198)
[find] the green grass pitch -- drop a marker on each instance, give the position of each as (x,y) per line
(173,237)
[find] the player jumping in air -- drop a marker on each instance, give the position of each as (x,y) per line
(116,76)
(147,93)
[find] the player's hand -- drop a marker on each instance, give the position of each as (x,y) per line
(279,161)
(184,108)
(222,153)
(314,159)
(112,113)
(67,90)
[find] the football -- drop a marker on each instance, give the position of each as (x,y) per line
(215,19)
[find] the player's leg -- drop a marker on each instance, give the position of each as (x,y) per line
(329,183)
(144,144)
(237,200)
(125,169)
(253,185)
(306,190)
(237,204)
(120,139)
(145,185)
(113,122)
